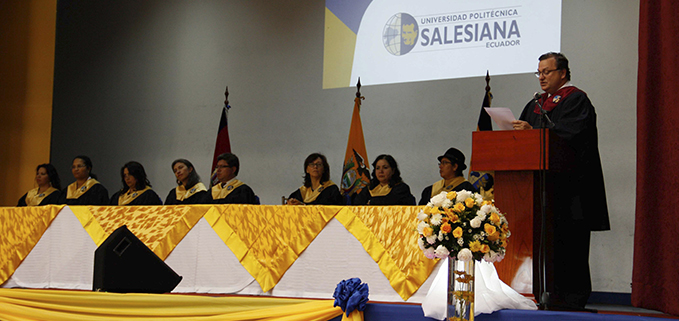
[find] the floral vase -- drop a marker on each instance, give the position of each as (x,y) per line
(460,290)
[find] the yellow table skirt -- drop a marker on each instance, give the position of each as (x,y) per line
(266,239)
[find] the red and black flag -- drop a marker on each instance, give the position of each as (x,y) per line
(223,144)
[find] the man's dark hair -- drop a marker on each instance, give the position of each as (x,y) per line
(231,160)
(561,62)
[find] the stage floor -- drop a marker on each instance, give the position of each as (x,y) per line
(387,311)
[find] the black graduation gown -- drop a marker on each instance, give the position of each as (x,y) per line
(240,195)
(202,197)
(96,195)
(147,198)
(579,196)
(53,198)
(582,189)
(399,195)
(426,193)
(329,196)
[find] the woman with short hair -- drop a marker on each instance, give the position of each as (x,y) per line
(86,190)
(318,189)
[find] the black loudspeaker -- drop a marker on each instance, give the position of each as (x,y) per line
(124,264)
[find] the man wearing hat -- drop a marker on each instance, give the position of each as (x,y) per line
(451,165)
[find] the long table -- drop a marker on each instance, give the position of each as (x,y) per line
(238,249)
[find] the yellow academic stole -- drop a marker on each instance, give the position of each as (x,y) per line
(219,192)
(380,190)
(441,185)
(74,192)
(33,199)
(127,198)
(310,194)
(183,194)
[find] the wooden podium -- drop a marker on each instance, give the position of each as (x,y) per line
(515,157)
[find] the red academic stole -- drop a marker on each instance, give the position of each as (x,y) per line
(550,103)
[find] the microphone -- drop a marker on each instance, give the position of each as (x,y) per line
(537,96)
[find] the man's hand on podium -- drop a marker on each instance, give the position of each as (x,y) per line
(521,125)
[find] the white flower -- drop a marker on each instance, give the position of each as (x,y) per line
(429,253)
(421,226)
(479,199)
(422,216)
(440,236)
(476,222)
(436,219)
(438,200)
(431,239)
(490,257)
(463,195)
(447,203)
(420,243)
(486,208)
(441,251)
(464,255)
(460,242)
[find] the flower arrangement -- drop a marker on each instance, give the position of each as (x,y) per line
(464,226)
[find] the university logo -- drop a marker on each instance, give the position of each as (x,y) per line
(400,34)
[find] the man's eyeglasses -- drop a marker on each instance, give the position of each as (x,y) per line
(544,72)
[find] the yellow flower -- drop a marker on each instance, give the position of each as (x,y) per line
(469,202)
(446,228)
(457,233)
(475,246)
(487,203)
(494,236)
(495,218)
(427,231)
(485,248)
(453,218)
(459,207)
(505,228)
(490,229)
(504,243)
(451,195)
(427,210)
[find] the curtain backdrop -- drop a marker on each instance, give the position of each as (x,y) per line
(655,280)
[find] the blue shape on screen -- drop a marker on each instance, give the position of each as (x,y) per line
(348,11)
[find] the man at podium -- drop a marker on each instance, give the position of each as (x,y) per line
(580,200)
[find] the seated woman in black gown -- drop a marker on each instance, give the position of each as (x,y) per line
(48,190)
(189,189)
(86,190)
(386,186)
(451,165)
(318,189)
(136,187)
(230,190)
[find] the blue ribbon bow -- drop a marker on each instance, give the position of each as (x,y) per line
(351,295)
